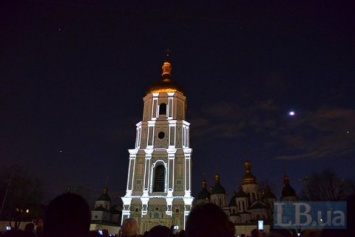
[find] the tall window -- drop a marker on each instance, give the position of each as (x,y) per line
(162,109)
(159,179)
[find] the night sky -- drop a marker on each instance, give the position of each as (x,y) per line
(73,75)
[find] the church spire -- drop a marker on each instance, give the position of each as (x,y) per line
(165,84)
(248,178)
(166,66)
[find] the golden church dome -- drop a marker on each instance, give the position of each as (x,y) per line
(165,84)
(204,183)
(248,177)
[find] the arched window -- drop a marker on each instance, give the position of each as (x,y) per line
(159,179)
(162,109)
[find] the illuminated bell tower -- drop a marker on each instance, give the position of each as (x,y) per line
(159,173)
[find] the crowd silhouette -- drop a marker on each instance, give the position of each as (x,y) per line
(69,215)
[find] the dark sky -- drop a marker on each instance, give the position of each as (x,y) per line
(73,75)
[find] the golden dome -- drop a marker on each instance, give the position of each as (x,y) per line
(165,84)
(248,178)
(217,177)
(204,183)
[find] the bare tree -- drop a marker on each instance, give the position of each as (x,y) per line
(326,186)
(21,195)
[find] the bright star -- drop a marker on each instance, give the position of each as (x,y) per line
(292,113)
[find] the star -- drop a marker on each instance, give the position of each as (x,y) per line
(291,113)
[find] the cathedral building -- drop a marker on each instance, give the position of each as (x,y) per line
(247,205)
(158,188)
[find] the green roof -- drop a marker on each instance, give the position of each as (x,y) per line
(203,194)
(218,189)
(241,193)
(104,197)
(232,202)
(288,191)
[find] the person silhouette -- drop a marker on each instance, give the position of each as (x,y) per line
(160,231)
(208,220)
(67,215)
(129,228)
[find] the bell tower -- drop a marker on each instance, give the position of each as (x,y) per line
(158,188)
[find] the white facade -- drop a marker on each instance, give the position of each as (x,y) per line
(159,174)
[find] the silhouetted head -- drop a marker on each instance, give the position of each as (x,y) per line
(255,233)
(160,231)
(280,233)
(67,215)
(207,220)
(129,227)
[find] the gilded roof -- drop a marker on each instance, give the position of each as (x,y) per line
(165,84)
(248,177)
